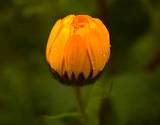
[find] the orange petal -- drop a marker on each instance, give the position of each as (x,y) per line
(86,66)
(57,52)
(68,20)
(96,52)
(104,33)
(76,56)
(54,32)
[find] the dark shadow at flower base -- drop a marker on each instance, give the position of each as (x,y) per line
(73,81)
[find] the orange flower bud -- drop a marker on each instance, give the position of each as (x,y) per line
(78,49)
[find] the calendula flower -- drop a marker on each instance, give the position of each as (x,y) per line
(78,49)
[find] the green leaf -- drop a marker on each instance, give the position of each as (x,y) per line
(136,99)
(61,119)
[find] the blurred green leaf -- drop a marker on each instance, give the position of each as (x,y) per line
(61,119)
(136,99)
(143,51)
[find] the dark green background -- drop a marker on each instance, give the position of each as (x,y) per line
(128,93)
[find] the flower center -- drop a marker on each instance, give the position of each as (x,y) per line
(80,21)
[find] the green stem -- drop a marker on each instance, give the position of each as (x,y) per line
(81,107)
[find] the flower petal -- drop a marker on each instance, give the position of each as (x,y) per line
(54,32)
(75,57)
(57,52)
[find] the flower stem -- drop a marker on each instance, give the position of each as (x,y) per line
(80,102)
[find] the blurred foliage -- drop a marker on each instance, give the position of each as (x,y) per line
(128,93)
